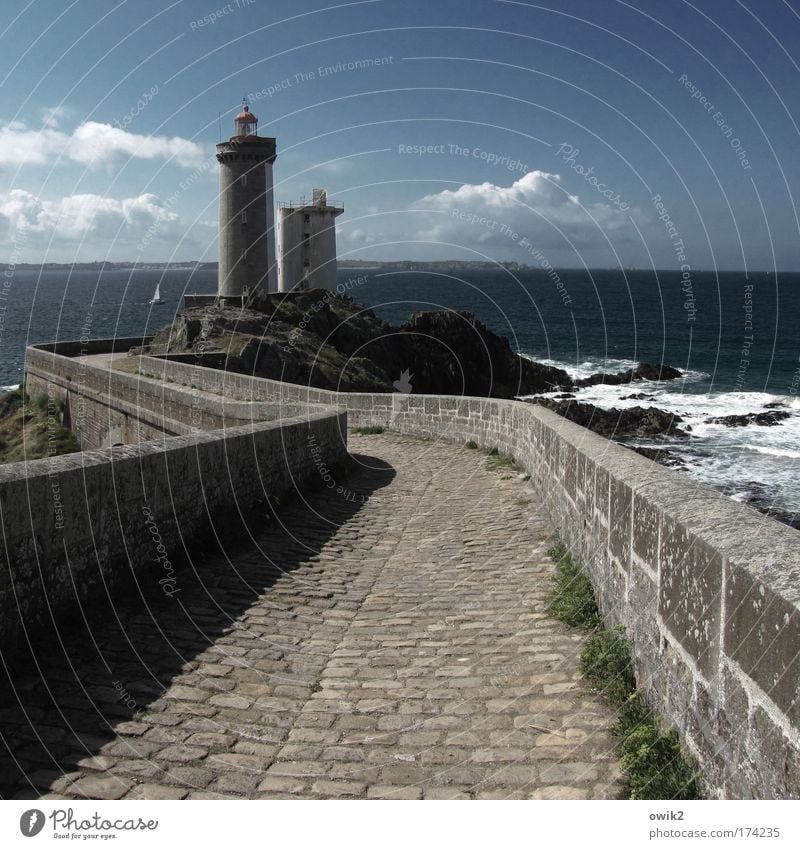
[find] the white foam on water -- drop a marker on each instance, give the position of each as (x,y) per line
(741,461)
(776,452)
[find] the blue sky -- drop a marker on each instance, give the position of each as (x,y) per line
(574,115)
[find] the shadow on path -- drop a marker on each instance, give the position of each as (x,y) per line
(64,703)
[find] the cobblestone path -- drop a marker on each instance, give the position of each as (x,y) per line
(388,640)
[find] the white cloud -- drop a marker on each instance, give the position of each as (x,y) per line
(535,207)
(78,218)
(95,143)
(90,143)
(486,217)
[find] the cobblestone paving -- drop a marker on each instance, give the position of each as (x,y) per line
(386,640)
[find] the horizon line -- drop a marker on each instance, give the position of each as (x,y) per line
(378,262)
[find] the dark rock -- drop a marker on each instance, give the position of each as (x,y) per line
(769,419)
(632,423)
(322,340)
(637,396)
(455,354)
(660,455)
(775,405)
(759,497)
(644,371)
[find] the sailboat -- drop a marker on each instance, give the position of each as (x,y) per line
(156,299)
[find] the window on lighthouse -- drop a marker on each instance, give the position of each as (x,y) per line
(244,216)
(243,179)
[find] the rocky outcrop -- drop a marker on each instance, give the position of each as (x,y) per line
(768,419)
(644,371)
(631,423)
(317,339)
(761,497)
(452,353)
(660,455)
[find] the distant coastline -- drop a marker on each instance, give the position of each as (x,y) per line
(195,265)
(192,265)
(358,264)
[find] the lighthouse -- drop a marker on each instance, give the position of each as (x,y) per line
(246,212)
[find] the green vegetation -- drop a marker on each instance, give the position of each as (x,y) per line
(367,431)
(651,758)
(607,665)
(572,599)
(32,430)
(471,444)
(495,460)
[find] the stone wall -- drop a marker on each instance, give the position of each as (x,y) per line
(708,589)
(76,526)
(104,408)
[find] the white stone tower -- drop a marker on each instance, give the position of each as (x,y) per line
(246,212)
(307,243)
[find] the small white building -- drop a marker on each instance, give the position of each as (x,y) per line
(307,243)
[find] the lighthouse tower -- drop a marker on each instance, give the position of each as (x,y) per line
(246,212)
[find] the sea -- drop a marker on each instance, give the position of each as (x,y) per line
(735,336)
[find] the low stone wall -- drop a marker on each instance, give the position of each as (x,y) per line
(106,407)
(76,526)
(708,589)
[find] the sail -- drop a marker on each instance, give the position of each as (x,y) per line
(157,293)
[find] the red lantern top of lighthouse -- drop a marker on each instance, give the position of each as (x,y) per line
(246,123)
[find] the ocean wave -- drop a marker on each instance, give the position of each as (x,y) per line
(578,371)
(597,365)
(775,452)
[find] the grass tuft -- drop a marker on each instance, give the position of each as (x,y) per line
(368,431)
(495,461)
(572,599)
(651,757)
